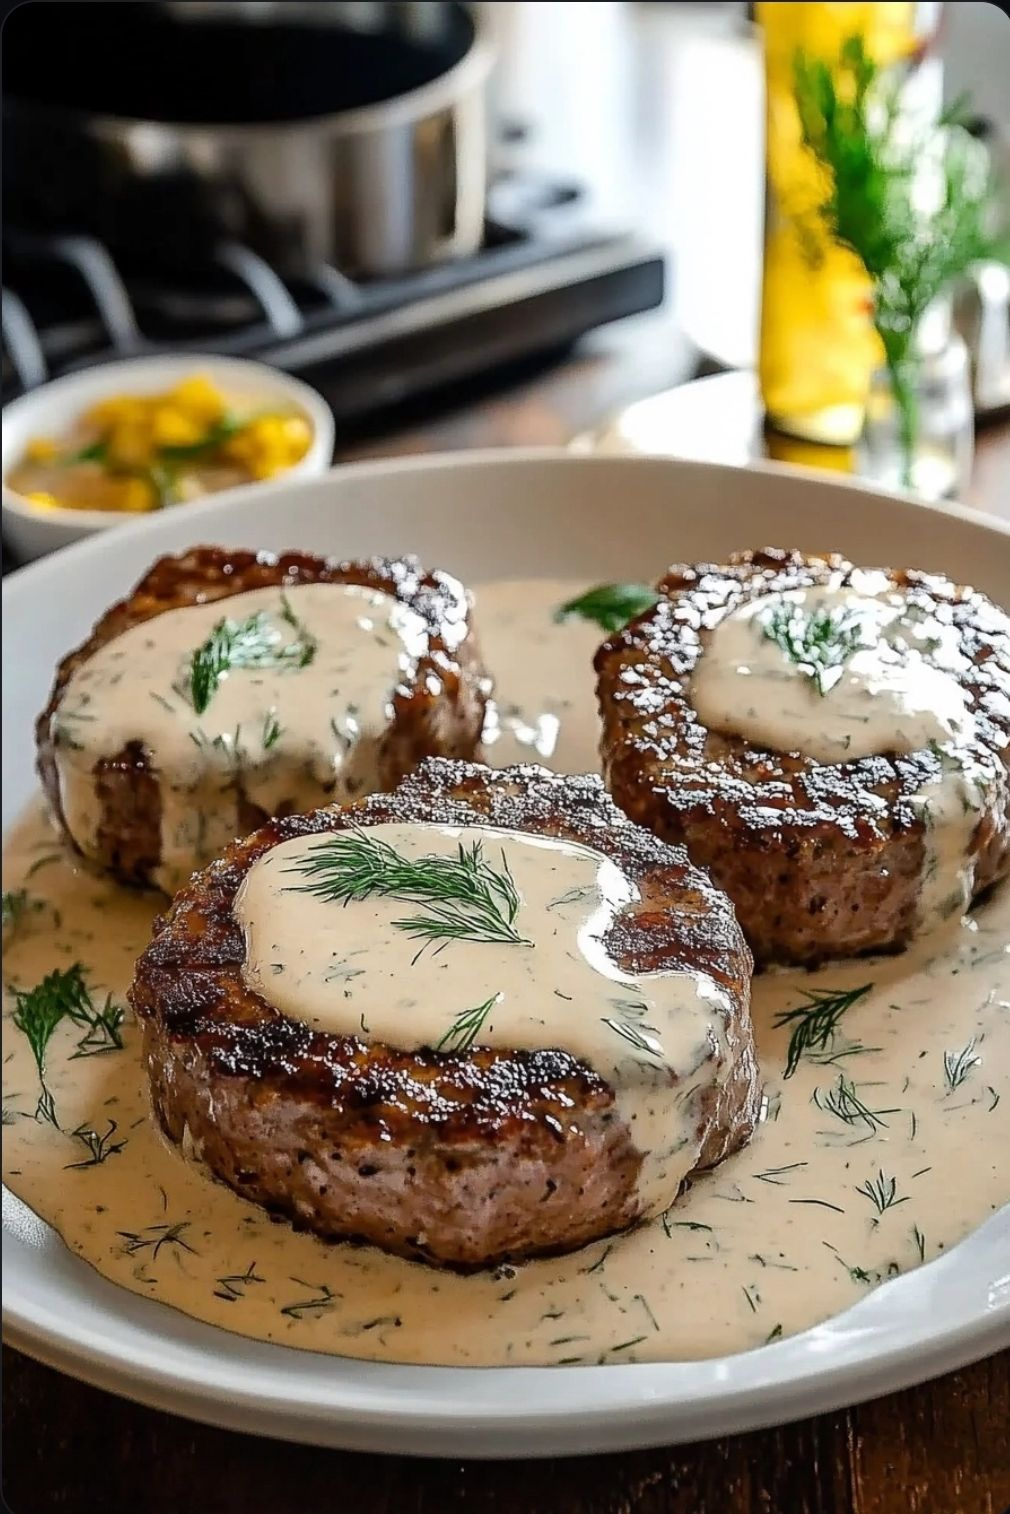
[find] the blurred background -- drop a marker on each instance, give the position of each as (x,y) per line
(605,224)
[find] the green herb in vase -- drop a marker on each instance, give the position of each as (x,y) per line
(877,205)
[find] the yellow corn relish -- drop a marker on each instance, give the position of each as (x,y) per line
(137,452)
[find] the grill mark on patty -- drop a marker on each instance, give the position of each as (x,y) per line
(743,811)
(503,1120)
(425,724)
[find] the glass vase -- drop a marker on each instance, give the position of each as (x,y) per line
(939,464)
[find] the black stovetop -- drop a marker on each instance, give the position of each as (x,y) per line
(542,279)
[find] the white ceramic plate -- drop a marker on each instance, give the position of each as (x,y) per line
(486,516)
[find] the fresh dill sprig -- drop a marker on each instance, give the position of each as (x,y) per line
(820,641)
(957,1065)
(249,643)
(611,606)
(882,1192)
(466,898)
(816,1021)
(64,994)
(37,1013)
(467,1026)
(844,1103)
(102,1028)
(99,1147)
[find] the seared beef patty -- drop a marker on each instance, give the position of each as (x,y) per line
(820,859)
(437,708)
(461,1158)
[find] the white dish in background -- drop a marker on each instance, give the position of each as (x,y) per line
(50,410)
(493,516)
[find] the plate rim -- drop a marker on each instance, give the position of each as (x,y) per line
(492,1430)
(13,583)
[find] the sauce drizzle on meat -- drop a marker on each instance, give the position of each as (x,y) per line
(657,1039)
(279,733)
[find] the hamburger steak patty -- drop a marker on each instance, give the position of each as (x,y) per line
(821,860)
(438,712)
(459,1158)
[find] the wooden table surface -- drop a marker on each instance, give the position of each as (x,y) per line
(943,1448)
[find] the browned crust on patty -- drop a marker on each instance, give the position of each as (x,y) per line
(460,1158)
(821,860)
(440,713)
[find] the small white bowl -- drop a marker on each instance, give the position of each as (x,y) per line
(31,531)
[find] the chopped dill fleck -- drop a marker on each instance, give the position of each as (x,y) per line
(99,1147)
(844,1103)
(18,904)
(624,1346)
(640,1037)
(155,1237)
(819,642)
(882,1192)
(822,1203)
(669,1224)
(774,1175)
(232,1288)
(320,1300)
(957,1065)
(272,730)
(249,643)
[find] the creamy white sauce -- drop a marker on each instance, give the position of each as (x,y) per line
(894,688)
(287,737)
(543,709)
(659,1039)
(783,1235)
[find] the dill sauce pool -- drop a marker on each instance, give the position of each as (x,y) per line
(878,1147)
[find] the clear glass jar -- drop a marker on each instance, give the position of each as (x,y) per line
(945,435)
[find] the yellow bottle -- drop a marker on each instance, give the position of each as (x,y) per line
(818,347)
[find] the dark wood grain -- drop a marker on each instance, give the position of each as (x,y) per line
(939,1449)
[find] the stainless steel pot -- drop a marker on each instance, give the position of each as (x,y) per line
(346,134)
